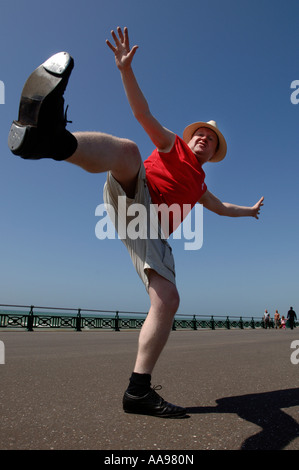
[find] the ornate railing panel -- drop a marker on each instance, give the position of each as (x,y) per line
(34,319)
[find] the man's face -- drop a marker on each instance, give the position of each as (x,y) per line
(204,144)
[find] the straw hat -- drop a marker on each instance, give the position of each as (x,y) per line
(221,151)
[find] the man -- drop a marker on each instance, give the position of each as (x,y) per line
(276,319)
(291,317)
(174,170)
(267,319)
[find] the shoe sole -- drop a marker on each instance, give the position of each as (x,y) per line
(48,77)
(178,415)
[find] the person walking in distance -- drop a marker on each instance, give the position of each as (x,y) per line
(267,319)
(291,317)
(276,319)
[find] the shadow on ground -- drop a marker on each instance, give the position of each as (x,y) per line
(264,410)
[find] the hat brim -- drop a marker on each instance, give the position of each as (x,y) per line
(222,148)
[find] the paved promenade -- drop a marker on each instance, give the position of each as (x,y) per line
(63,390)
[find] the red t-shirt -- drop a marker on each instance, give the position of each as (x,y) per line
(176,178)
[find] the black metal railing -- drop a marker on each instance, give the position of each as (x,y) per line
(36,317)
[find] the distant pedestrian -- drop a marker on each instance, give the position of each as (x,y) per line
(283,323)
(291,317)
(267,319)
(276,319)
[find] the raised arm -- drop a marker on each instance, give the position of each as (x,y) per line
(211,202)
(162,138)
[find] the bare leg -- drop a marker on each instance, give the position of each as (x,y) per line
(155,331)
(97,153)
(139,397)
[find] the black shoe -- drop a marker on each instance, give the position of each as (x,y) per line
(152,404)
(40,130)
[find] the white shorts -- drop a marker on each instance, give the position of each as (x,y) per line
(148,252)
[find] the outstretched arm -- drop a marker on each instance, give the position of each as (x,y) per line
(211,202)
(162,138)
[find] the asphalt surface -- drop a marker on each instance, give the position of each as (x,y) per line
(62,390)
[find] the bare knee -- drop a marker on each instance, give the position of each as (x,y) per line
(173,301)
(169,303)
(130,158)
(163,294)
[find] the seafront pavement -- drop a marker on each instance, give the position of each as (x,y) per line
(63,390)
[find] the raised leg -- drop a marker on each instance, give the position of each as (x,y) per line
(97,152)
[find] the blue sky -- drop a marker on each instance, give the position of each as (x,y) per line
(227,60)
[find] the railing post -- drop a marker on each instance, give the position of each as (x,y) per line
(241,323)
(252,323)
(116,328)
(212,323)
(194,322)
(78,320)
(173,325)
(30,319)
(227,323)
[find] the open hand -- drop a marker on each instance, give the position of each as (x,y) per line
(123,54)
(256,208)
